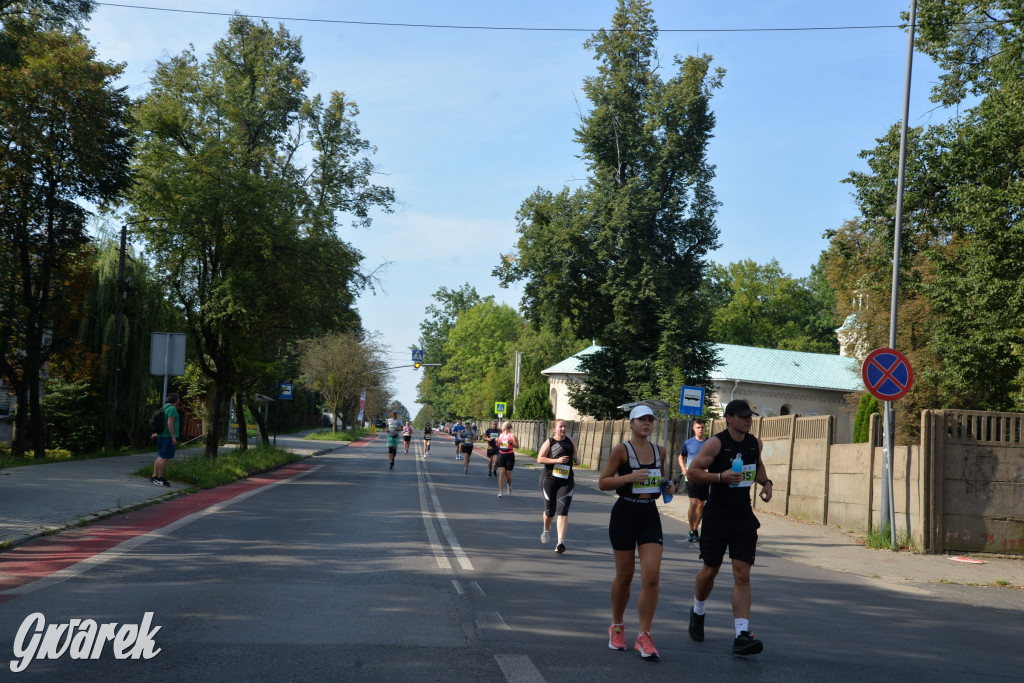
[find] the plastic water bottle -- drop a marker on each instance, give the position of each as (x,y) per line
(737,466)
(665,495)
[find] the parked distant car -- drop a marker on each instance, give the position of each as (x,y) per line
(380,424)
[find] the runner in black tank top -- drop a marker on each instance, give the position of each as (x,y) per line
(634,471)
(558,455)
(729,521)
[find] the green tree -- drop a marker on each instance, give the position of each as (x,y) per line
(436,389)
(621,260)
(20,18)
(765,307)
(961,270)
(339,367)
(249,249)
(478,350)
(862,422)
(65,141)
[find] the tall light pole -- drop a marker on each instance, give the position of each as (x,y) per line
(888,507)
(115,361)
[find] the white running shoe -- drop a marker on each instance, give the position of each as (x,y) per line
(545,536)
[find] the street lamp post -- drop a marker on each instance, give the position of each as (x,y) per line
(115,361)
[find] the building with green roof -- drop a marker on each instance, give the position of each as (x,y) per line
(773,381)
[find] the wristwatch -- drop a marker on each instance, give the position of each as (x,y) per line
(768,481)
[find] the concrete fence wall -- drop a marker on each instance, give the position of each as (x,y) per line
(961,489)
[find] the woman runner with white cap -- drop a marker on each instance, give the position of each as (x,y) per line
(634,471)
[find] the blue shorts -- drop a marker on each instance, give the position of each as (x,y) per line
(164,447)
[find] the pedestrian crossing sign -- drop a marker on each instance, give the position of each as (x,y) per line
(499,408)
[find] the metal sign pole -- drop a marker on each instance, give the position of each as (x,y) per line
(887,493)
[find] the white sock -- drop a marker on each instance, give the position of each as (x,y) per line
(742,625)
(698,606)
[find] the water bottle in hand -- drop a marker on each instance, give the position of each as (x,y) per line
(737,466)
(665,495)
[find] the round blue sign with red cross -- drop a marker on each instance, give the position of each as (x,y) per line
(887,374)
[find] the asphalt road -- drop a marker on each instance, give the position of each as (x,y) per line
(348,571)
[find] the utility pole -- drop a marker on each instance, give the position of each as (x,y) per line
(115,361)
(515,387)
(887,503)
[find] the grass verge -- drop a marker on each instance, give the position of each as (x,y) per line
(206,473)
(328,435)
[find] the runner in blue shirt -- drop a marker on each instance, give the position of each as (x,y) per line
(698,493)
(457,430)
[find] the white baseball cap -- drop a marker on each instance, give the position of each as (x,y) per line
(640,411)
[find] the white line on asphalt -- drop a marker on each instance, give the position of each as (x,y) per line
(132,543)
(435,542)
(442,521)
(458,587)
(518,669)
(476,585)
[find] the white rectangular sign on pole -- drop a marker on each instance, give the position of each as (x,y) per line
(167,353)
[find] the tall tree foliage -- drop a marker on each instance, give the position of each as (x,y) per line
(63,140)
(437,389)
(621,260)
(960,319)
(760,305)
(249,246)
(339,367)
(20,18)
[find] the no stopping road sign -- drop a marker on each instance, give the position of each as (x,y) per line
(887,374)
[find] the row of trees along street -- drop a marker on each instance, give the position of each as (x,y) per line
(237,181)
(234,177)
(622,261)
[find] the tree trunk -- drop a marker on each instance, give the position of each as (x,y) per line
(260,422)
(214,427)
(18,440)
(243,427)
(35,412)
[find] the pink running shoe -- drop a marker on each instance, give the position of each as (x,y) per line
(616,637)
(645,646)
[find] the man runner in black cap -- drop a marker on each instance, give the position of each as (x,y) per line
(729,520)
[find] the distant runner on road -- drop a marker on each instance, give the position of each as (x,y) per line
(427,433)
(394,429)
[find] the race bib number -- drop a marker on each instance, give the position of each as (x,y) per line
(749,472)
(561,471)
(652,484)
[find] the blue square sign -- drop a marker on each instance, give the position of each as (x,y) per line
(691,401)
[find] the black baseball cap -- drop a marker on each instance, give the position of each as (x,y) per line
(740,408)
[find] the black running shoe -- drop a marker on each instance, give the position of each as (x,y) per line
(560,548)
(746,644)
(155,480)
(697,627)
(163,480)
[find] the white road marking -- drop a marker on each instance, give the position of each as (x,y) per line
(442,521)
(458,587)
(435,542)
(518,669)
(476,585)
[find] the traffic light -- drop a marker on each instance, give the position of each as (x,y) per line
(416,365)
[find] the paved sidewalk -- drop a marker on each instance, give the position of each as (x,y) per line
(40,499)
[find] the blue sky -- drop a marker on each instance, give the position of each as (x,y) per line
(469,122)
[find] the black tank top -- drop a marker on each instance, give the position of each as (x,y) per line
(724,501)
(559,449)
(633,464)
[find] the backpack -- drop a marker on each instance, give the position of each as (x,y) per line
(157,422)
